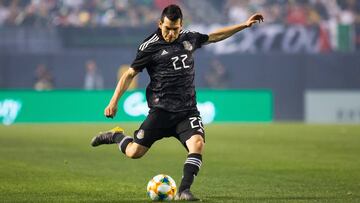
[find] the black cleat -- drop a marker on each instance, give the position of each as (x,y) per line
(112,136)
(186,195)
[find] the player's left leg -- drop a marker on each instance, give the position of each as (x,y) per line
(192,135)
(192,165)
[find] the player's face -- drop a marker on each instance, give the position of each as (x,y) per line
(170,30)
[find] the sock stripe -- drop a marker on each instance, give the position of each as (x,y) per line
(194,159)
(196,163)
(125,141)
(199,162)
(122,141)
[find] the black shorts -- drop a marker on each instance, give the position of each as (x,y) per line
(160,123)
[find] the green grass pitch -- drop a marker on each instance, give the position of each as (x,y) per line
(242,163)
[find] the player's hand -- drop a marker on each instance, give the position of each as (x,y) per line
(254,19)
(110,111)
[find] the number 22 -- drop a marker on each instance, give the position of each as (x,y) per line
(176,59)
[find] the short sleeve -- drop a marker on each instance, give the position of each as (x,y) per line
(143,58)
(199,38)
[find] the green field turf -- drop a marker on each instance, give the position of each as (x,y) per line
(242,163)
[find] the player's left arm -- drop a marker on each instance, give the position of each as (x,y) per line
(226,32)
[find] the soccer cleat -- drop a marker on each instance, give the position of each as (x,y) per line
(186,195)
(112,136)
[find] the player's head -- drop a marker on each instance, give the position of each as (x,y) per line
(170,23)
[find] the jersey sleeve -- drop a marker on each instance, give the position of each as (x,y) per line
(143,58)
(199,38)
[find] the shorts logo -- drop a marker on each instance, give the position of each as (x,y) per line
(188,46)
(140,134)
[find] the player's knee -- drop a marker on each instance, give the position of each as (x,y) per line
(196,143)
(135,152)
(199,144)
(134,155)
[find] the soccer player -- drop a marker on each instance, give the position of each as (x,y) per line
(167,55)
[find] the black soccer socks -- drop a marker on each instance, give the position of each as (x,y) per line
(123,142)
(191,168)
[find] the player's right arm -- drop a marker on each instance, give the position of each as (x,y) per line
(121,87)
(143,58)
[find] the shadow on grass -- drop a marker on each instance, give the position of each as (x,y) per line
(219,199)
(278,199)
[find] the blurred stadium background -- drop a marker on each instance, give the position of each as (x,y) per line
(61,59)
(306,52)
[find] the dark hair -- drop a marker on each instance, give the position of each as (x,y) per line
(172,12)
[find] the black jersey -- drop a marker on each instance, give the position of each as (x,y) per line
(171,70)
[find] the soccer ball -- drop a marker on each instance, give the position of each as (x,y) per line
(161,187)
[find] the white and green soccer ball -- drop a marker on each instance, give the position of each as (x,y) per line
(161,187)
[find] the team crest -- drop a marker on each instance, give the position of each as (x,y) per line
(188,46)
(140,134)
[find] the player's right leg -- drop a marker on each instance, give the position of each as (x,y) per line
(112,136)
(151,130)
(134,150)
(126,144)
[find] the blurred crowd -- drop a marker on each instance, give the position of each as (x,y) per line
(119,13)
(298,12)
(77,13)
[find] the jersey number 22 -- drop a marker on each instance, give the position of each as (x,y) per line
(177,58)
